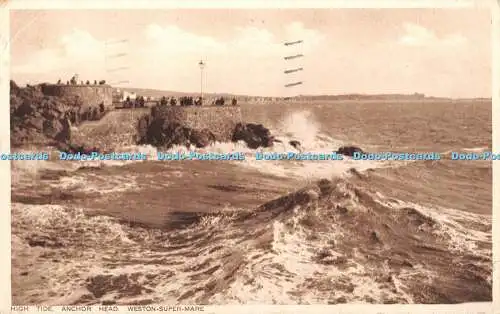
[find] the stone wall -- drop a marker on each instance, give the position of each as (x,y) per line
(90,95)
(220,120)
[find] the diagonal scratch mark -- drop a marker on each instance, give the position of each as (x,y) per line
(14,36)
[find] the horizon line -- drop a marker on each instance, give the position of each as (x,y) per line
(275,96)
(306,95)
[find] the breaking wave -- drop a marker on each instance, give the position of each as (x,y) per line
(332,242)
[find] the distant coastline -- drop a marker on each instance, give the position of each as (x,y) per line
(343,97)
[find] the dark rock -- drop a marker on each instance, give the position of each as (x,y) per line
(349,150)
(159,132)
(163,133)
(202,138)
(295,144)
(14,88)
(73,149)
(341,300)
(254,135)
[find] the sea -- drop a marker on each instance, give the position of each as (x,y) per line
(265,231)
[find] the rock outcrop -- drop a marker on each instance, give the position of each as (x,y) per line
(254,135)
(349,150)
(160,132)
(73,149)
(41,119)
(295,144)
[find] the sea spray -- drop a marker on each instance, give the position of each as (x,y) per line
(300,125)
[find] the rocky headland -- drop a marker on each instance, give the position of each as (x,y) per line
(41,119)
(36,118)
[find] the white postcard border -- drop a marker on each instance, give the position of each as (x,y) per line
(5,220)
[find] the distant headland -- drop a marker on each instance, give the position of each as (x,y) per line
(156,93)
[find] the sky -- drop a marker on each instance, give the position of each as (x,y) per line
(439,52)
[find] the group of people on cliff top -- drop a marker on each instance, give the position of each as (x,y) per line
(191,101)
(74,81)
(139,102)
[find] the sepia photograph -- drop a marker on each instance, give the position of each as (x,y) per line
(251,156)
